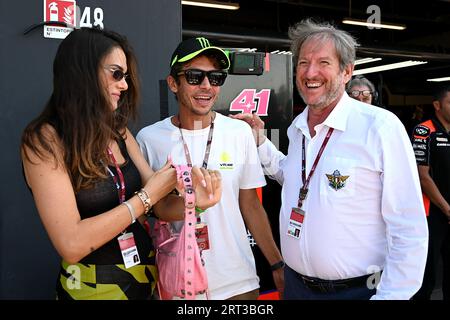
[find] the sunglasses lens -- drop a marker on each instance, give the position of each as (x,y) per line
(194,77)
(118,75)
(217,78)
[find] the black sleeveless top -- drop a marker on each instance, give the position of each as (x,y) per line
(103,196)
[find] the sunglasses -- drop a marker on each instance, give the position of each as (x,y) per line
(357,93)
(118,74)
(195,76)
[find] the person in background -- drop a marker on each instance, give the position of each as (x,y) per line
(431,143)
(88,178)
(208,139)
(417,117)
(349,183)
(360,88)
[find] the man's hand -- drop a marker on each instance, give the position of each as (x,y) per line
(208,187)
(278,279)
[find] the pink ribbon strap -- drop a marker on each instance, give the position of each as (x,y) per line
(184,173)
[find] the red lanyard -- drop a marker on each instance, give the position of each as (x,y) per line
(208,145)
(304,189)
(120,187)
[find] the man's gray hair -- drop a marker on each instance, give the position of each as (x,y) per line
(307,29)
(360,81)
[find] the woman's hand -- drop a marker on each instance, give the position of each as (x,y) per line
(162,182)
(208,187)
(255,122)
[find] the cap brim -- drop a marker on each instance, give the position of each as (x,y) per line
(225,61)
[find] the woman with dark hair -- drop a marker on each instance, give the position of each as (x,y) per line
(89,180)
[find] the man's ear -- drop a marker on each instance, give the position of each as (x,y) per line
(348,71)
(436,105)
(172,83)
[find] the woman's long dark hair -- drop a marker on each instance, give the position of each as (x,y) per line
(79,110)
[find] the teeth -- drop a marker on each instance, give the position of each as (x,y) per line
(313,85)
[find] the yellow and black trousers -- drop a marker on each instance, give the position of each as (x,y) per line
(105,282)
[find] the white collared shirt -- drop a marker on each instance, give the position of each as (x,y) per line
(375,221)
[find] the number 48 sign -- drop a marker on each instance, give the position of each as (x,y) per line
(249,100)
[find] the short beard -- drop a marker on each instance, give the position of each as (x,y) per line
(329,97)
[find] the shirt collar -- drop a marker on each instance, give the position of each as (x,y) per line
(337,119)
(438,124)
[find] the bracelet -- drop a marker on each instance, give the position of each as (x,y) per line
(145,198)
(131,210)
(198,210)
(280,264)
(150,205)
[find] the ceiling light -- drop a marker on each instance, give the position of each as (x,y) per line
(374,25)
(439,79)
(248,50)
(391,66)
(212,4)
(366,60)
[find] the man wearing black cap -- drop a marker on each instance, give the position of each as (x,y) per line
(199,136)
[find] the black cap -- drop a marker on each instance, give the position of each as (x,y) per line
(190,48)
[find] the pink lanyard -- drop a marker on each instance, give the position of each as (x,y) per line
(120,187)
(208,145)
(304,189)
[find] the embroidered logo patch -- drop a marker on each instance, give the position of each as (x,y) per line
(336,180)
(421,132)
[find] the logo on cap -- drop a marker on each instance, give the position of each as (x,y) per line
(191,48)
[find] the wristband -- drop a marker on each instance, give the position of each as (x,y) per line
(280,264)
(198,210)
(131,211)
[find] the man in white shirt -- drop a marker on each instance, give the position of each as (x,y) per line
(356,207)
(199,136)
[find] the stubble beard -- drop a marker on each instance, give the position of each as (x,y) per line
(201,112)
(328,98)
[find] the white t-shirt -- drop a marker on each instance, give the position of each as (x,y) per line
(229,262)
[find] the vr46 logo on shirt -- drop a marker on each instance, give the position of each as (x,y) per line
(225,162)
